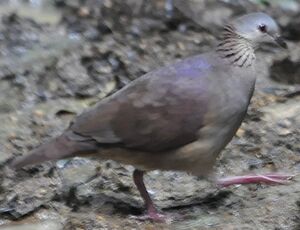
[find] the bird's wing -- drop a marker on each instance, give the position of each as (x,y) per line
(162,110)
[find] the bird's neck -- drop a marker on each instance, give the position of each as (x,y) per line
(236,49)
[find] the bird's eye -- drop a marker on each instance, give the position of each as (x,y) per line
(262,28)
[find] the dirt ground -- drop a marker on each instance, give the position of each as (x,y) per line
(59,57)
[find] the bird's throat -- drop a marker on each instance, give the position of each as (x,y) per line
(236,49)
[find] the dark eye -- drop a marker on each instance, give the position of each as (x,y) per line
(262,28)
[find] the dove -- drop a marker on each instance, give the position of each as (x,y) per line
(178,117)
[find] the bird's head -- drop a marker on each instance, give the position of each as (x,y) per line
(258,28)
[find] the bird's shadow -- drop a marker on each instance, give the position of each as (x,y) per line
(210,201)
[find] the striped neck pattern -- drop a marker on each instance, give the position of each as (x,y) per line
(238,50)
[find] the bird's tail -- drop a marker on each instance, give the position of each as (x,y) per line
(57,148)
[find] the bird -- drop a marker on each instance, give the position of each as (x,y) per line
(178,117)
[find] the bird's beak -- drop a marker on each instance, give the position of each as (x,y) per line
(280,41)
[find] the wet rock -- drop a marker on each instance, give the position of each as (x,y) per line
(81,18)
(73,77)
(47,225)
(211,15)
(26,52)
(286,115)
(286,71)
(289,5)
(292,29)
(39,10)
(27,196)
(78,171)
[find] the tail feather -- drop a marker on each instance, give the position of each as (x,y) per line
(57,148)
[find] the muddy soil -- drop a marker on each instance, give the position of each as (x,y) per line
(59,57)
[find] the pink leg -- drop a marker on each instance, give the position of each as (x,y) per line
(255,179)
(152,213)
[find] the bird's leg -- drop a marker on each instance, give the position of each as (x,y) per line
(152,213)
(255,179)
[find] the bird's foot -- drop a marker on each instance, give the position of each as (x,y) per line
(255,179)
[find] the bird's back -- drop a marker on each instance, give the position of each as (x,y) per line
(169,108)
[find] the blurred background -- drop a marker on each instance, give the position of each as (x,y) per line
(58,57)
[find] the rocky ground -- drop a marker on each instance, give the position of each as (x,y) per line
(59,57)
